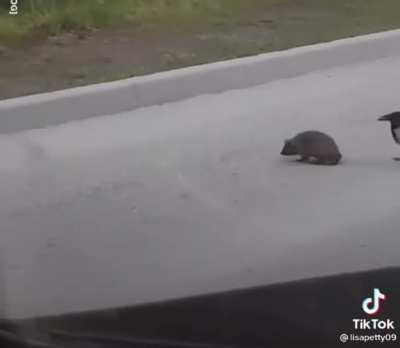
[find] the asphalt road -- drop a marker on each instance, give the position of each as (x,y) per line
(192,197)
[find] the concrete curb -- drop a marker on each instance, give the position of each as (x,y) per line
(42,110)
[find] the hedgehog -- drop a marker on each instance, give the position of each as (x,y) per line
(313,147)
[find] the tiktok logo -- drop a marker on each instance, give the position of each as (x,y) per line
(371,305)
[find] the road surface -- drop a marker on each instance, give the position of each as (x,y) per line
(192,197)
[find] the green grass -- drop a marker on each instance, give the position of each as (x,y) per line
(43,18)
(200,31)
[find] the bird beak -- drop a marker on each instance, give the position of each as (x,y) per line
(384,118)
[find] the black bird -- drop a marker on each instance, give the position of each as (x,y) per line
(394,119)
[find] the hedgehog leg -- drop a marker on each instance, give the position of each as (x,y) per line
(302,159)
(322,160)
(329,161)
(396,158)
(333,160)
(315,160)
